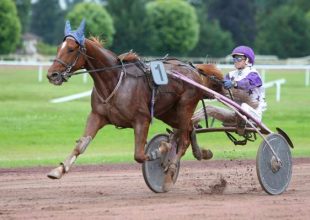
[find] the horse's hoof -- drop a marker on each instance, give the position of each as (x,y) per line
(197,154)
(56,173)
(168,182)
(141,159)
(206,154)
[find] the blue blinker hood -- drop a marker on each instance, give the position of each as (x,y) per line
(78,34)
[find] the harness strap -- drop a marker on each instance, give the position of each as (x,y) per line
(154,90)
(105,101)
(205,112)
(234,140)
(66,74)
(249,136)
(61,62)
(106,68)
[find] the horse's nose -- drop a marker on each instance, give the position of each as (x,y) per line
(54,75)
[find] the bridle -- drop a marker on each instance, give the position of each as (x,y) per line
(65,75)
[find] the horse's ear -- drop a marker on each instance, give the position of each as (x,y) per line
(81,28)
(80,32)
(67,28)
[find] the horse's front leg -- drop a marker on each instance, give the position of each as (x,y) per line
(94,123)
(141,129)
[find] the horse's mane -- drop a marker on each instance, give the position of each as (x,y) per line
(100,44)
(97,41)
(129,57)
(210,70)
(212,83)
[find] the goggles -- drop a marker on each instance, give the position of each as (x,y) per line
(238,59)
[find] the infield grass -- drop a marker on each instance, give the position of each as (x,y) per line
(35,132)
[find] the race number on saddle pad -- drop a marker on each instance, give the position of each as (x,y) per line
(159,73)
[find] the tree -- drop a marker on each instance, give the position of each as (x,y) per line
(267,6)
(10,27)
(71,3)
(98,21)
(304,5)
(23,11)
(46,20)
(213,41)
(129,22)
(284,33)
(238,17)
(172,27)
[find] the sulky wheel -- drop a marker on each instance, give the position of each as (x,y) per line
(154,170)
(274,176)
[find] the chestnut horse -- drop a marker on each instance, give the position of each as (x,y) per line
(122,94)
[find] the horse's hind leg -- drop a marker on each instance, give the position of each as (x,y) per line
(181,136)
(94,123)
(199,153)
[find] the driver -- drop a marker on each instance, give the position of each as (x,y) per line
(245,85)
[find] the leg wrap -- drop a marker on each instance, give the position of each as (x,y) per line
(82,144)
(163,148)
(80,147)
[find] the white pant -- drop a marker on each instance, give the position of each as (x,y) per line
(219,113)
(223,114)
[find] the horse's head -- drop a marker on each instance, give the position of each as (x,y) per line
(214,77)
(69,55)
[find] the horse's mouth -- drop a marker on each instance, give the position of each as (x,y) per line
(56,79)
(56,82)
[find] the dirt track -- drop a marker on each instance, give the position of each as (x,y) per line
(119,192)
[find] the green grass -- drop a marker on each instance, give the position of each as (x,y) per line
(35,132)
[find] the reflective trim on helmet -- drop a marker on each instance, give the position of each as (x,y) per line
(241,54)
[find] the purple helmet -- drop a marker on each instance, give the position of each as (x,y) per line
(246,51)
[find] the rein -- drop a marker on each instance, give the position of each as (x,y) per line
(105,68)
(123,72)
(213,78)
(66,74)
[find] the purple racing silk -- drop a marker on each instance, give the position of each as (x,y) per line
(251,81)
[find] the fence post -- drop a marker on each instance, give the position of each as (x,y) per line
(85,77)
(40,73)
(307,77)
(263,75)
(278,93)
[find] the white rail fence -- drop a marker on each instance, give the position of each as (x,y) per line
(261,68)
(270,84)
(39,65)
(278,84)
(71,97)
